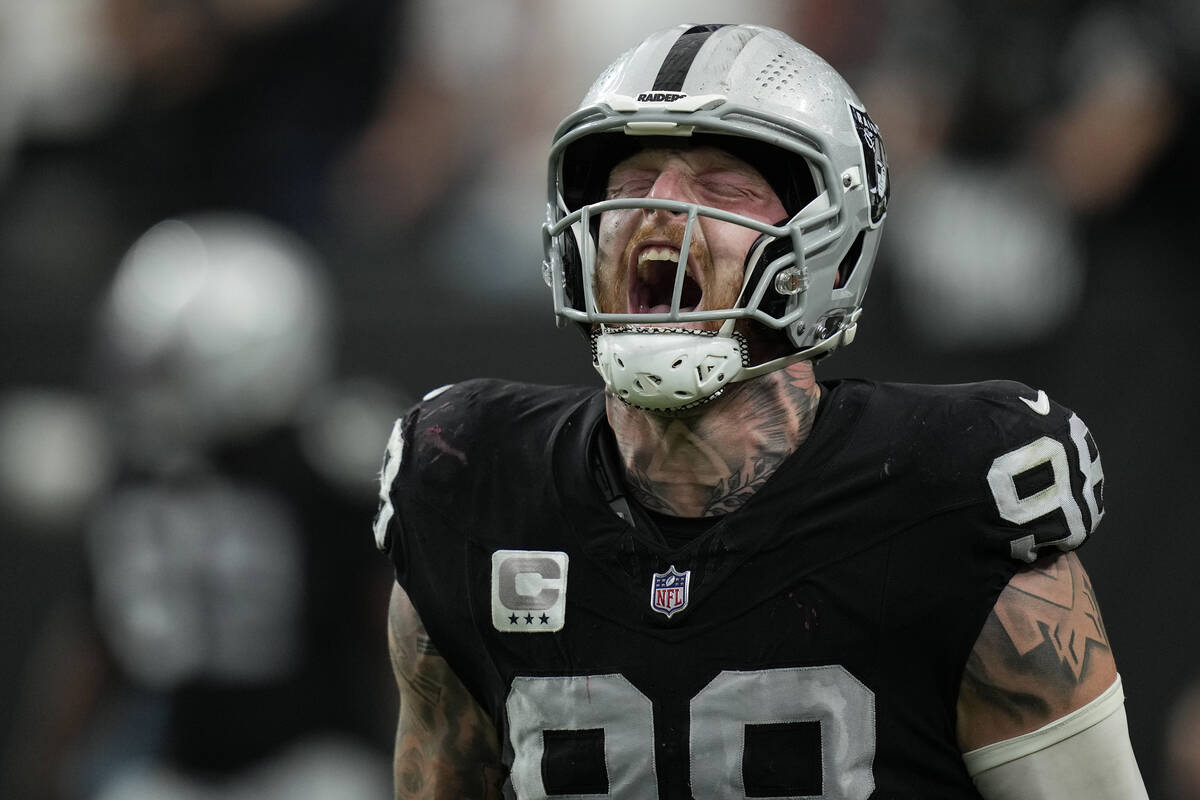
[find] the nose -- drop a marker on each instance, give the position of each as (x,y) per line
(671,184)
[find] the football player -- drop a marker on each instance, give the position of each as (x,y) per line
(721,577)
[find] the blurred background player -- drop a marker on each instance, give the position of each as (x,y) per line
(222,647)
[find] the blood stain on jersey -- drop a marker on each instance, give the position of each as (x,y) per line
(810,616)
(434,432)
(669,591)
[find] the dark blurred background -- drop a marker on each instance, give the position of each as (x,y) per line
(238,236)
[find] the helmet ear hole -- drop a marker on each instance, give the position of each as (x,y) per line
(849,261)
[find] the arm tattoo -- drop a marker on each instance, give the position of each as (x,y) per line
(1043,651)
(446,746)
(1058,610)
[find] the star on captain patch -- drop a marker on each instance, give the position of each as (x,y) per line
(669,591)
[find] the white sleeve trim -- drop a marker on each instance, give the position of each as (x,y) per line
(1079,720)
(387,476)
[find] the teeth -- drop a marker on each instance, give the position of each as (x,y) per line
(655,255)
(659,254)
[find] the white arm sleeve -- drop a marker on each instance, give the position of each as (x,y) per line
(1084,754)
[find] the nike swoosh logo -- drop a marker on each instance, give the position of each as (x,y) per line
(1041,405)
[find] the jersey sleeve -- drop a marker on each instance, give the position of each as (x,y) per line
(385,517)
(402,472)
(1043,481)
(456,460)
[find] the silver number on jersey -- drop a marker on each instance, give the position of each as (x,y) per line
(721,714)
(607,703)
(1057,496)
(828,695)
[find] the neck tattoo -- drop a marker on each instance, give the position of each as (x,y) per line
(712,462)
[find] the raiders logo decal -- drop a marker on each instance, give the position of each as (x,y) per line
(660,97)
(875,160)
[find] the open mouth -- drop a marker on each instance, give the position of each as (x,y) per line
(652,282)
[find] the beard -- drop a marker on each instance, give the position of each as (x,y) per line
(720,288)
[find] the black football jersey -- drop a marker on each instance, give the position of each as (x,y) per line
(809,644)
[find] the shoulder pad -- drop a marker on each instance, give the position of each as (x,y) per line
(400,443)
(1024,469)
(448,449)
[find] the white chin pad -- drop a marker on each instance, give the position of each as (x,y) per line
(665,369)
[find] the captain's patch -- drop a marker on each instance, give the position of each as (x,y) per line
(529,591)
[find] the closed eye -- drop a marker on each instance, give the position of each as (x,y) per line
(633,188)
(728,183)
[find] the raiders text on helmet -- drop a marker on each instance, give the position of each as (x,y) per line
(755,92)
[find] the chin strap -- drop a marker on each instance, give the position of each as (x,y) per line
(677,369)
(668,369)
(822,348)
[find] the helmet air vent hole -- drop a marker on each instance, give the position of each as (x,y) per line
(620,363)
(681,393)
(678,363)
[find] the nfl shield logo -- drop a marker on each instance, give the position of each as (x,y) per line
(669,591)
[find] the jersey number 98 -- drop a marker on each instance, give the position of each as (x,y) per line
(1021,508)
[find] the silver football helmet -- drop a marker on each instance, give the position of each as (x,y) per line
(216,326)
(756,93)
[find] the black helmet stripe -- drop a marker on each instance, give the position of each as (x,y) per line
(679,60)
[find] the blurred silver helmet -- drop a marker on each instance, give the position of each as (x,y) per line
(216,325)
(753,91)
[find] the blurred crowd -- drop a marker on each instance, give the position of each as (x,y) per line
(237,235)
